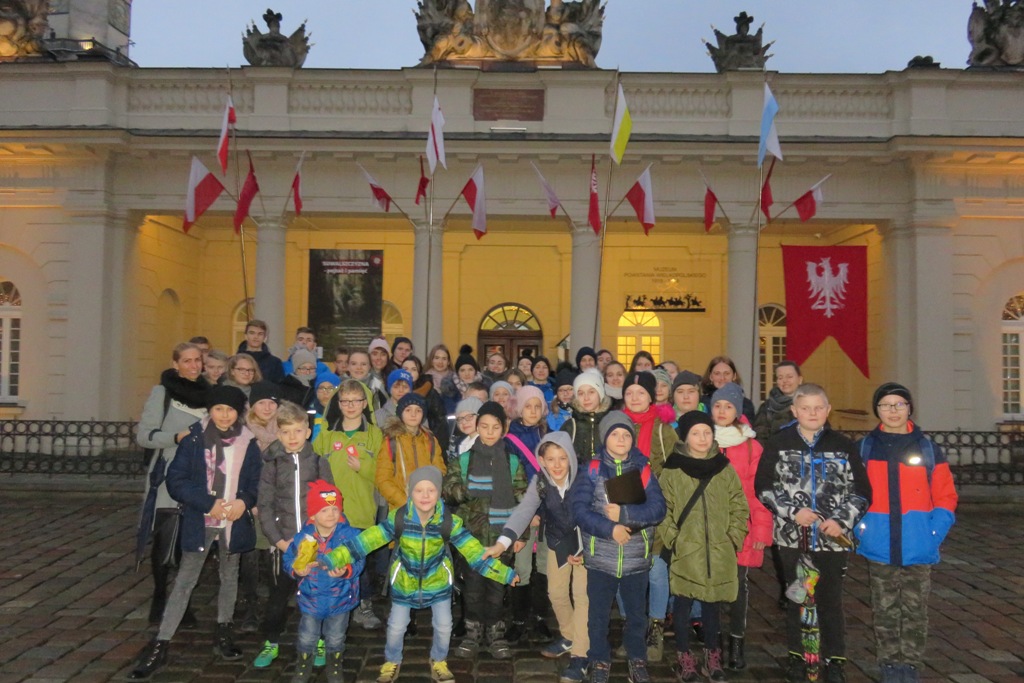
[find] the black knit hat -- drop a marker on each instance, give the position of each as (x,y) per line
(585,351)
(645,379)
(222,394)
(688,420)
(564,378)
(264,389)
(494,409)
(466,358)
(891,389)
(399,340)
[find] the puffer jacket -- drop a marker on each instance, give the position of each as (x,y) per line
(322,595)
(400,454)
(357,488)
(913,499)
(284,482)
(703,563)
(187,484)
(589,498)
(421,570)
(826,476)
(583,428)
(744,457)
(476,511)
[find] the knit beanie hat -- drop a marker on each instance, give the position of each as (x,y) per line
(528,392)
(302,357)
(685,377)
(328,377)
(616,419)
(501,384)
(469,405)
(466,358)
(662,376)
(379,343)
(399,340)
(494,409)
(891,389)
(222,394)
(644,379)
(411,399)
(565,378)
(261,390)
(591,378)
(425,473)
(585,351)
(688,420)
(399,375)
(730,392)
(322,494)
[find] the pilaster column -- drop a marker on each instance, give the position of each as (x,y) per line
(428,287)
(741,327)
(270,266)
(586,283)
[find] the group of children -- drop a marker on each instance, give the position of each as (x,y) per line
(616,506)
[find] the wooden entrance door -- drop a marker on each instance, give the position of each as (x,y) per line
(509,328)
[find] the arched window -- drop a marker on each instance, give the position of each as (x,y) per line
(238,320)
(1013,328)
(510,318)
(391,324)
(771,320)
(10,341)
(511,329)
(639,331)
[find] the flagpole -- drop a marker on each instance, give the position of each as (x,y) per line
(430,226)
(604,223)
(241,228)
(287,195)
(755,357)
(793,203)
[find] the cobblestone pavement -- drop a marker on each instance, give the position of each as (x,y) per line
(72,607)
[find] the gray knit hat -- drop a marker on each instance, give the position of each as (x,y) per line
(615,419)
(425,473)
(730,392)
(468,405)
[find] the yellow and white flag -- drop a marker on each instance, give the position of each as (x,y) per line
(622,128)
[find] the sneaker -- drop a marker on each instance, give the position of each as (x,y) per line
(364,616)
(439,672)
(267,655)
(600,672)
(388,672)
(656,640)
(685,667)
(557,648)
(321,654)
(638,671)
(796,668)
(834,672)
(713,665)
(576,672)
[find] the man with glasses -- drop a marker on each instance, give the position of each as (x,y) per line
(900,535)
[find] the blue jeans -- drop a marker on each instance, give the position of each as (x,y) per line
(332,629)
(601,590)
(658,599)
(398,620)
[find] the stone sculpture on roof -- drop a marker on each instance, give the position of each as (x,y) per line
(740,50)
(996,34)
(565,33)
(23,24)
(274,48)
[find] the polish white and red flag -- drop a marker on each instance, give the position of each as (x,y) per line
(435,138)
(476,197)
(203,190)
(710,204)
(766,194)
(807,204)
(641,197)
(297,186)
(594,214)
(225,132)
(380,196)
(249,190)
(549,192)
(421,189)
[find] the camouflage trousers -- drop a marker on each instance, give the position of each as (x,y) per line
(899,601)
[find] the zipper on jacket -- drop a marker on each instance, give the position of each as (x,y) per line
(707,535)
(295,498)
(618,572)
(423,557)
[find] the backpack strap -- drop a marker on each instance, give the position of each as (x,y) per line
(518,443)
(399,530)
(593,467)
(645,475)
(446,526)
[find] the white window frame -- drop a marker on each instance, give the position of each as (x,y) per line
(10,319)
(636,331)
(771,330)
(1011,359)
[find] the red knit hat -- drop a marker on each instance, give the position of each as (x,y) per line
(322,494)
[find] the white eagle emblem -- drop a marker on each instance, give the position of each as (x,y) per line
(828,288)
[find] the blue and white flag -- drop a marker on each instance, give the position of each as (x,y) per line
(769,142)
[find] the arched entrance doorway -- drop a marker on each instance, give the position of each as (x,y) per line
(511,329)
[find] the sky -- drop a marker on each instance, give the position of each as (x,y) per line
(811,36)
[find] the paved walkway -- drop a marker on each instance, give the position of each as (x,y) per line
(72,607)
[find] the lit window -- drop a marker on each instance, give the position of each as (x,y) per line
(10,341)
(771,345)
(639,331)
(510,318)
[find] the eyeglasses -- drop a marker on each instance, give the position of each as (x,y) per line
(247,371)
(306,368)
(326,387)
(893,407)
(349,403)
(466,418)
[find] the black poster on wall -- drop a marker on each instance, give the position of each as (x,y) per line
(345,293)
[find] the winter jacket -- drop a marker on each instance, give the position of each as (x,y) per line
(357,488)
(589,498)
(270,365)
(547,388)
(582,427)
(703,562)
(913,498)
(826,476)
(476,511)
(284,483)
(187,484)
(157,429)
(399,455)
(420,572)
(450,394)
(557,417)
(530,437)
(436,416)
(773,415)
(543,498)
(303,395)
(744,458)
(321,595)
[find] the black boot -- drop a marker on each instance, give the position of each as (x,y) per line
(303,667)
(540,605)
(152,659)
(470,645)
(737,659)
(519,596)
(161,574)
(224,643)
(334,673)
(497,644)
(156,608)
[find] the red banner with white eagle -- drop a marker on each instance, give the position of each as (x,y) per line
(826,295)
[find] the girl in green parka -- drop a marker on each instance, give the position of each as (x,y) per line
(698,480)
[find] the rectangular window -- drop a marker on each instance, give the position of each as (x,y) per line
(1011,373)
(10,356)
(627,348)
(652,345)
